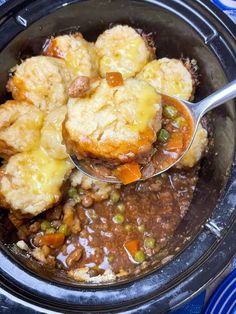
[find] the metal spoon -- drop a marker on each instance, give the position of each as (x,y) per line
(196,111)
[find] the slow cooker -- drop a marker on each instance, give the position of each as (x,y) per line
(204,243)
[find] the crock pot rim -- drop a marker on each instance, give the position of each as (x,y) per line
(212,238)
(9,8)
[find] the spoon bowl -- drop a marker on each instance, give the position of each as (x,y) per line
(195,111)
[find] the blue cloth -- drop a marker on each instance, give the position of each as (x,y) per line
(223,300)
(193,307)
(228,7)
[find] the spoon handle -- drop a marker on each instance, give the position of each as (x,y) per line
(216,99)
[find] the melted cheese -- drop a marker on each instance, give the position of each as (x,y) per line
(20,126)
(43,173)
(79,55)
(122,49)
(42,81)
(148,105)
(51,134)
(114,121)
(31,181)
(168,76)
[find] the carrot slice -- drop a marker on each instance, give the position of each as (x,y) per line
(128,173)
(132,246)
(54,240)
(114,79)
(175,142)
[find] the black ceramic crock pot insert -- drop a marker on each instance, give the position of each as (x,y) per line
(206,237)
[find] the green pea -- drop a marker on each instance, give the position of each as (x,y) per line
(170,112)
(128,227)
(118,219)
(92,214)
(50,230)
(115,196)
(110,258)
(121,207)
(45,225)
(64,229)
(77,199)
(164,175)
(149,243)
(163,135)
(157,248)
(139,257)
(141,228)
(72,192)
(179,122)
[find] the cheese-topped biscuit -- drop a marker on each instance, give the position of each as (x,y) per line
(114,122)
(51,134)
(168,76)
(197,149)
(122,49)
(79,55)
(42,81)
(31,182)
(20,125)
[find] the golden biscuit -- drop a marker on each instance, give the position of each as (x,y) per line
(197,149)
(122,49)
(113,122)
(168,76)
(51,134)
(79,55)
(31,182)
(20,126)
(42,81)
